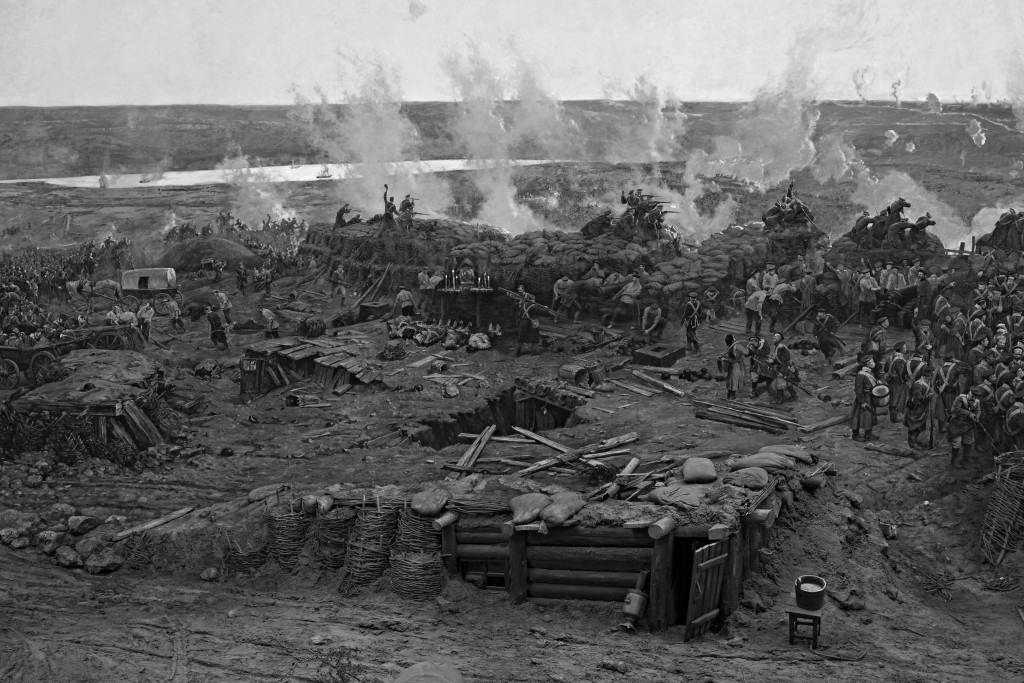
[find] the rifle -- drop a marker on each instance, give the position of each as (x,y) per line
(521,299)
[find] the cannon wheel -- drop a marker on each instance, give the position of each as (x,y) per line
(108,340)
(160,302)
(39,360)
(131,302)
(8,374)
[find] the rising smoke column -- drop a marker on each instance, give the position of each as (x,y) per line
(1015,87)
(252,194)
(369,128)
(862,79)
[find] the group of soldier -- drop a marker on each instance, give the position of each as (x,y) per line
(643,210)
(964,376)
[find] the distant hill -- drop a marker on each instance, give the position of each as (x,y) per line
(67,141)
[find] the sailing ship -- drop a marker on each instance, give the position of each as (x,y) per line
(146,177)
(324,172)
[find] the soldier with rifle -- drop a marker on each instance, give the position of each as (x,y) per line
(761,372)
(964,421)
(786,375)
(692,315)
(1014,422)
(408,204)
(339,218)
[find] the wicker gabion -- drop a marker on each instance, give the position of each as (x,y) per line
(286,532)
(330,536)
(238,560)
(138,551)
(1003,529)
(417,576)
(369,545)
(416,533)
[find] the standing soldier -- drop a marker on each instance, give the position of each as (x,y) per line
(919,407)
(786,372)
(241,277)
(868,289)
(528,328)
(825,327)
(924,339)
(947,386)
(1002,403)
(898,380)
(627,297)
(338,282)
(875,342)
(732,360)
(175,311)
(390,210)
(691,321)
(1014,422)
(863,415)
(753,307)
(760,365)
(964,417)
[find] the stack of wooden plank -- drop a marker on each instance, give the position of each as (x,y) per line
(336,370)
(469,459)
(746,416)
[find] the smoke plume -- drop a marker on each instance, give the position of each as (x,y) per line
(369,128)
(252,195)
(652,127)
(891,137)
(976,132)
(836,159)
(932,101)
(862,79)
(897,91)
(910,147)
(416,9)
(1015,87)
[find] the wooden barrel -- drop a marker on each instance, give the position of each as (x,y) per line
(577,374)
(880,396)
(251,373)
(596,371)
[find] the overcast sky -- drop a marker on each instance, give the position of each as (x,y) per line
(107,52)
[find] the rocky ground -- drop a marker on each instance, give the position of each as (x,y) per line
(880,623)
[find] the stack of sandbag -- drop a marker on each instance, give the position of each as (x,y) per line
(734,253)
(773,463)
(554,510)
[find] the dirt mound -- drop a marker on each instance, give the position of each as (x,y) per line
(188,256)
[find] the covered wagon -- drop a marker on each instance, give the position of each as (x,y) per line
(157,284)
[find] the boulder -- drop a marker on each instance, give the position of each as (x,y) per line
(49,541)
(20,521)
(89,546)
(67,557)
(80,524)
(58,512)
(106,560)
(20,542)
(8,535)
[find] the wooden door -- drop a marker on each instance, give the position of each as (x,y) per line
(709,565)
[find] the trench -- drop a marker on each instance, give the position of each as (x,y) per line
(504,410)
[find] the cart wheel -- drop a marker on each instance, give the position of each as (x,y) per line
(131,302)
(39,360)
(8,374)
(109,340)
(160,303)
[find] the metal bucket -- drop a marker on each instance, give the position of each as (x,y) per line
(880,396)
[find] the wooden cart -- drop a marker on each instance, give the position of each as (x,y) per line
(160,285)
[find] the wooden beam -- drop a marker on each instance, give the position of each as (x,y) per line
(152,524)
(661,609)
(517,572)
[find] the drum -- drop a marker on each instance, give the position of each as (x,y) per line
(880,396)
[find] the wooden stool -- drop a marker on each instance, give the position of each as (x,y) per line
(798,617)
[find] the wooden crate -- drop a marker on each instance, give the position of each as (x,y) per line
(658,355)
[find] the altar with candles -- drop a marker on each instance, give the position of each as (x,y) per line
(464,281)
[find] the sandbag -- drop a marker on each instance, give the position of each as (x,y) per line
(699,471)
(527,507)
(429,503)
(680,495)
(790,450)
(768,461)
(754,478)
(563,506)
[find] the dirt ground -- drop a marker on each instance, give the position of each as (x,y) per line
(64,625)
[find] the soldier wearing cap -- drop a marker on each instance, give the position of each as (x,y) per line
(863,417)
(866,299)
(876,340)
(691,321)
(947,382)
(964,418)
(761,371)
(769,278)
(919,407)
(1013,423)
(825,327)
(898,380)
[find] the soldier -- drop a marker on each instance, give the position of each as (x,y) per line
(408,204)
(652,322)
(786,372)
(868,294)
(863,417)
(691,321)
(947,383)
(964,418)
(761,371)
(825,327)
(898,380)
(876,340)
(769,278)
(241,277)
(271,328)
(528,328)
(753,308)
(390,209)
(920,401)
(1002,402)
(732,361)
(924,339)
(404,302)
(338,282)
(1014,422)
(626,297)
(339,218)
(954,333)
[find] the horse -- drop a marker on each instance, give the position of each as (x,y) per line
(889,215)
(897,236)
(86,288)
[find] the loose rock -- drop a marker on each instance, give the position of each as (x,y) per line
(49,541)
(80,525)
(67,557)
(107,560)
